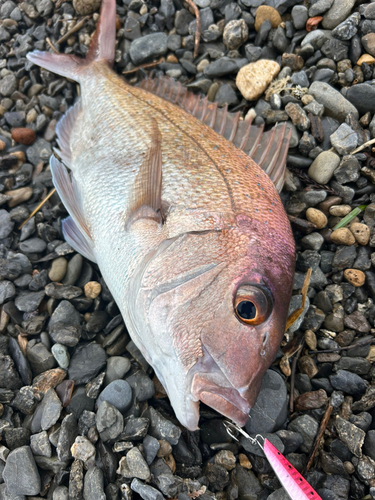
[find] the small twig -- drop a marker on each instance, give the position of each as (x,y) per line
(364,146)
(292,377)
(359,344)
(38,207)
(144,66)
(198,26)
(51,45)
(75,28)
(322,428)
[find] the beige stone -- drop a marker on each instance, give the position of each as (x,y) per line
(342,236)
(92,289)
(18,196)
(340,210)
(254,78)
(361,233)
(86,7)
(165,448)
(2,145)
(265,13)
(58,269)
(310,339)
(31,116)
(355,277)
(316,217)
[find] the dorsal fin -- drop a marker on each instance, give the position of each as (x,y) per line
(268,149)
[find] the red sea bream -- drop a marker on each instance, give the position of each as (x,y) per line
(188,231)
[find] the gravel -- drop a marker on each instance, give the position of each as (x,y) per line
(72,385)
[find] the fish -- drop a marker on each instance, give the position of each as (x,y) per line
(187,229)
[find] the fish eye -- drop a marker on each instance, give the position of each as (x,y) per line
(252,304)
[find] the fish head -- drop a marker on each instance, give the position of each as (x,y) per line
(214,307)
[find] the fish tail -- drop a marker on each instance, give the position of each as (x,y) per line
(102,48)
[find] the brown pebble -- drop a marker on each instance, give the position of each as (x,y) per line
(172,59)
(310,339)
(349,467)
(170,461)
(342,236)
(370,356)
(2,145)
(165,448)
(65,391)
(18,196)
(49,379)
(20,155)
(293,61)
(313,22)
(307,365)
(328,357)
(244,461)
(92,289)
(361,233)
(311,400)
(1,409)
(325,205)
(355,277)
(265,13)
(24,135)
(316,217)
(87,316)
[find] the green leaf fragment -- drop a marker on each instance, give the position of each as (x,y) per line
(348,218)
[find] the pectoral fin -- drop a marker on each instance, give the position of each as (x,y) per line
(146,195)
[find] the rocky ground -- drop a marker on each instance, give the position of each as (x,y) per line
(63,346)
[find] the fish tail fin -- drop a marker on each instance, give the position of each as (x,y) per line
(102,48)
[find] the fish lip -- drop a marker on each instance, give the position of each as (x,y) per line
(225,400)
(209,384)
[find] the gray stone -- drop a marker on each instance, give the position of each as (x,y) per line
(117,367)
(61,354)
(8,85)
(161,428)
(351,435)
(362,96)
(40,445)
(143,387)
(147,47)
(221,67)
(39,151)
(6,224)
(348,28)
(320,7)
(61,493)
(29,301)
(312,241)
(151,447)
(145,491)
(348,382)
(21,474)
(339,11)
(93,487)
(137,465)
(308,428)
(333,101)
(270,410)
(67,435)
(118,393)
(86,362)
(50,409)
(344,140)
(348,170)
(7,291)
(109,422)
(300,15)
(323,167)
(226,95)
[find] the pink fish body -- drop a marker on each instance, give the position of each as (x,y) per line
(188,231)
(294,484)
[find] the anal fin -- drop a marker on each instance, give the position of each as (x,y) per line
(63,131)
(73,235)
(75,227)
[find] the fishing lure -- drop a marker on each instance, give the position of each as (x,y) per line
(293,483)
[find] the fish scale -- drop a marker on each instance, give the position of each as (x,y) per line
(183,224)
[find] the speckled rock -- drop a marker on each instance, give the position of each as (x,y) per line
(253,79)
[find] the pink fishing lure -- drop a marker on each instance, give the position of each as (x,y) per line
(293,483)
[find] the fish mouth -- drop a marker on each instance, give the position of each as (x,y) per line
(209,385)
